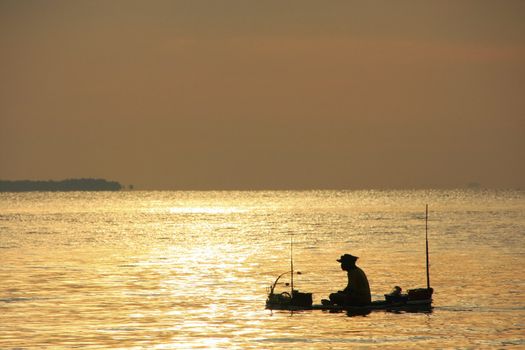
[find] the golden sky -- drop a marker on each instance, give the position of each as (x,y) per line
(281,94)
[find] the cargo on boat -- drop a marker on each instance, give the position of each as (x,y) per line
(419,299)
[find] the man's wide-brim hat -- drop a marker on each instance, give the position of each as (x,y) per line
(347,258)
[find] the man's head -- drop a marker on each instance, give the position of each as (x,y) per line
(347,261)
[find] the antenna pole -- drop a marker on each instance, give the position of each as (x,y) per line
(291,263)
(426,242)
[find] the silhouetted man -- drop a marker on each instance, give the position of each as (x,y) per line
(357,292)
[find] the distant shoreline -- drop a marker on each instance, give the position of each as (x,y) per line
(63,185)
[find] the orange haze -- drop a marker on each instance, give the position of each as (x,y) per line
(264,94)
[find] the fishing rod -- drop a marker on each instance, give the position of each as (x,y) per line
(291,271)
(426,243)
(291,263)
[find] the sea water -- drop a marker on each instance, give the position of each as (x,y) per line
(165,270)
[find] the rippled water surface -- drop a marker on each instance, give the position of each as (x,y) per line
(162,270)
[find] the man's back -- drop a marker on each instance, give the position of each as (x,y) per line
(358,286)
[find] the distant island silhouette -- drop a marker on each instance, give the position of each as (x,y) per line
(63,185)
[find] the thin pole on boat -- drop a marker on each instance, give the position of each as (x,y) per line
(291,263)
(426,242)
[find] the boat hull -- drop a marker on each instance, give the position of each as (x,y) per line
(409,306)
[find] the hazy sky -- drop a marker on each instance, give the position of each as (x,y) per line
(264,94)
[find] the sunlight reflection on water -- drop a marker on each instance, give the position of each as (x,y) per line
(205,210)
(190,269)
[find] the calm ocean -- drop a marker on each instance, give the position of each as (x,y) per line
(164,270)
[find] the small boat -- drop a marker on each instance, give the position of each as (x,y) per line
(415,300)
